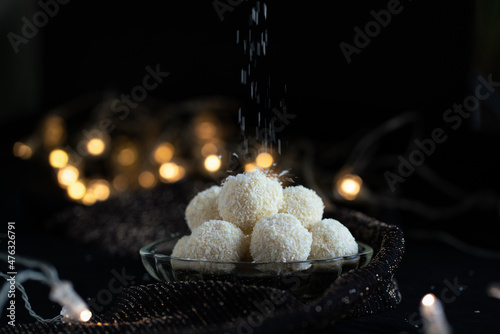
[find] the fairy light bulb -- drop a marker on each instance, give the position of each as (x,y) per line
(22,150)
(96,146)
(163,153)
(53,131)
(432,313)
(127,156)
(206,130)
(147,179)
(67,175)
(349,186)
(250,167)
(208,149)
(171,172)
(120,182)
(100,189)
(77,190)
(89,198)
(85,315)
(212,163)
(58,158)
(264,160)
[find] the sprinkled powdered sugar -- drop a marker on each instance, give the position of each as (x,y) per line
(248,197)
(304,204)
(280,238)
(203,207)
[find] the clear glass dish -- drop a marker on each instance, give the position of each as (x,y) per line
(304,279)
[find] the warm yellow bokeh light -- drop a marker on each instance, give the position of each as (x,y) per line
(163,153)
(85,315)
(58,158)
(127,156)
(77,190)
(349,186)
(147,179)
(171,172)
(250,167)
(67,175)
(206,130)
(212,163)
(96,146)
(208,149)
(100,189)
(428,300)
(22,151)
(120,182)
(89,198)
(264,160)
(53,131)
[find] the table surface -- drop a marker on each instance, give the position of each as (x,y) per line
(459,279)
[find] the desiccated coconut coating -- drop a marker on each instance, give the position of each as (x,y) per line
(331,239)
(203,207)
(304,204)
(248,197)
(217,240)
(280,238)
(181,247)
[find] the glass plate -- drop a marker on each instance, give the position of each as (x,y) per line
(304,279)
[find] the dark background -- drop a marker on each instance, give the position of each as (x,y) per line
(424,60)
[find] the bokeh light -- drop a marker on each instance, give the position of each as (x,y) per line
(212,163)
(58,158)
(147,179)
(100,189)
(96,146)
(22,151)
(171,172)
(163,153)
(127,156)
(67,175)
(264,160)
(349,186)
(77,190)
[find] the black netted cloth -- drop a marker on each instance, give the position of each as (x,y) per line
(126,223)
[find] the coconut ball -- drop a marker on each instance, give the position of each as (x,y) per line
(217,240)
(246,198)
(304,204)
(203,207)
(331,239)
(280,238)
(181,247)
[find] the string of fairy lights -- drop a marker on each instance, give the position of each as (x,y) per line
(134,164)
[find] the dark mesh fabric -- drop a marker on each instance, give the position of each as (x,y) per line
(128,223)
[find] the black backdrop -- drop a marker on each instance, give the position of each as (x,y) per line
(423,60)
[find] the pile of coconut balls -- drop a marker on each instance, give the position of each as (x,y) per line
(251,217)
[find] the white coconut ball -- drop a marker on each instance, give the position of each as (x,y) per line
(217,240)
(331,239)
(246,198)
(280,238)
(181,247)
(203,207)
(304,204)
